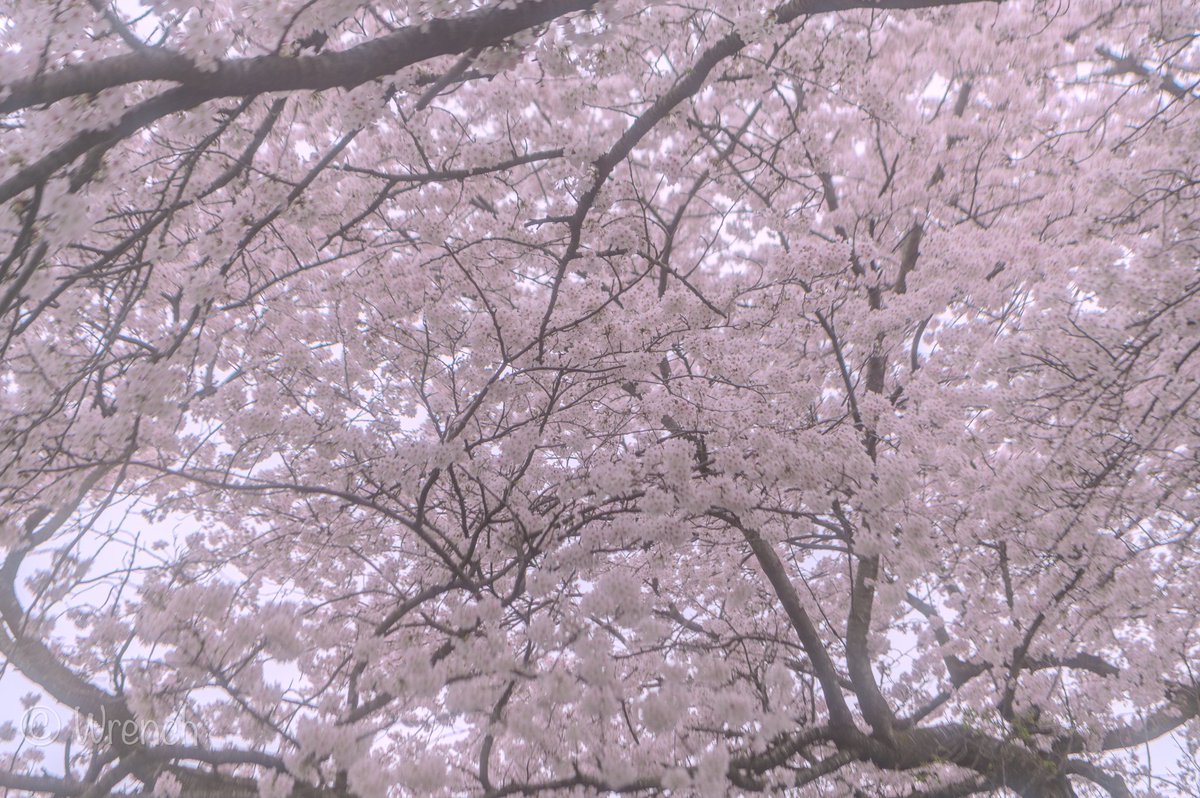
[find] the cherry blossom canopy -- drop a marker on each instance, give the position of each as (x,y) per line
(573,398)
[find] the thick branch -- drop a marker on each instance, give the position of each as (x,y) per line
(858,658)
(810,639)
(1184,706)
(238,77)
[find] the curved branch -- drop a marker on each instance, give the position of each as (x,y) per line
(270,73)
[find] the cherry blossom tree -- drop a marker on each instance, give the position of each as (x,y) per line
(561,397)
